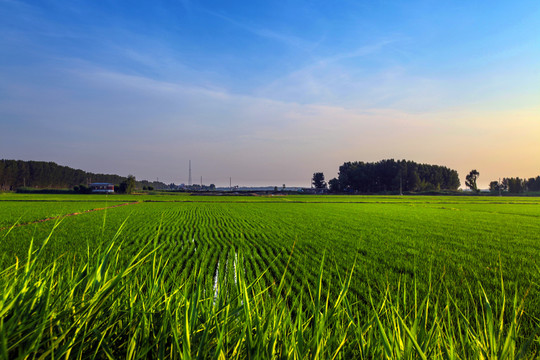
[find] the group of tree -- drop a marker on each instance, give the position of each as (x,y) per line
(16,174)
(127,186)
(196,187)
(155,185)
(393,176)
(515,185)
(41,174)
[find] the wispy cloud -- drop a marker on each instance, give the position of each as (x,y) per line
(361,51)
(152,124)
(154,91)
(287,39)
(350,79)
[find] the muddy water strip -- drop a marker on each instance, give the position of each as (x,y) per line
(67,215)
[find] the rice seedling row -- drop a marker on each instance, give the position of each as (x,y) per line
(396,248)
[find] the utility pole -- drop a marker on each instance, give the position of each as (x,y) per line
(400,185)
(189,179)
(500,185)
(230,183)
(201,181)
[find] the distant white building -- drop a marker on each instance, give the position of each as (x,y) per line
(102,188)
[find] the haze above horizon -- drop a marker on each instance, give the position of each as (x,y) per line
(270,92)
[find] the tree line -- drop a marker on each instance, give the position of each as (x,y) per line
(16,174)
(515,185)
(392,176)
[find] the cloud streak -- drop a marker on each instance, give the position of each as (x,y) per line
(265,100)
(149,124)
(287,39)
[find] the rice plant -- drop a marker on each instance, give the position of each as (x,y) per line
(143,306)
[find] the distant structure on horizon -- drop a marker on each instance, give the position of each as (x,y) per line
(102,188)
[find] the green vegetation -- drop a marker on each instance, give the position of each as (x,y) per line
(22,212)
(470,180)
(128,186)
(393,176)
(318,181)
(517,185)
(28,176)
(283,276)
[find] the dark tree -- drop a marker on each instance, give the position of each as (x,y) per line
(334,185)
(516,185)
(494,186)
(127,186)
(122,188)
(41,174)
(470,180)
(130,184)
(318,181)
(533,184)
(504,184)
(391,176)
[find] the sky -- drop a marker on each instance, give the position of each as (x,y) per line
(269,92)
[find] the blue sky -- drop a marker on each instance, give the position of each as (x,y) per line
(270,92)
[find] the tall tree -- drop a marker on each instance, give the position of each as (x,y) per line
(318,181)
(533,184)
(334,185)
(470,180)
(127,186)
(130,184)
(516,185)
(504,184)
(494,186)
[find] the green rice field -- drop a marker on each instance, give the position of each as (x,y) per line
(297,276)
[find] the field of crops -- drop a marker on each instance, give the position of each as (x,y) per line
(303,248)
